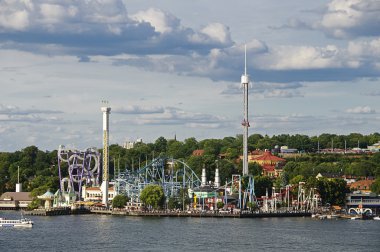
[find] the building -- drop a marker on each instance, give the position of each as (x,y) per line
(272,165)
(15,200)
(374,148)
(131,144)
(198,152)
(287,150)
(363,200)
(362,185)
(328,176)
(349,179)
(94,194)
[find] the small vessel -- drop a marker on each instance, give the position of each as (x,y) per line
(376,218)
(23,222)
(355,218)
(332,216)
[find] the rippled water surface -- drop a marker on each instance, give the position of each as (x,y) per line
(114,233)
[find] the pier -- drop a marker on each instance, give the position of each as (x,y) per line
(68,211)
(56,211)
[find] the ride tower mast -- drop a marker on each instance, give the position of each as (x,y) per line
(245,123)
(106,112)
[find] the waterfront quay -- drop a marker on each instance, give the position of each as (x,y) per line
(195,214)
(57,211)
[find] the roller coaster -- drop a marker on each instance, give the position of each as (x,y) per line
(171,174)
(83,169)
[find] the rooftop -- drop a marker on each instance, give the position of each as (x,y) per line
(268,156)
(19,196)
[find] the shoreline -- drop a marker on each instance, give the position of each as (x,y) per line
(68,211)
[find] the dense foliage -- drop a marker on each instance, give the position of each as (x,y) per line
(153,196)
(119,201)
(38,170)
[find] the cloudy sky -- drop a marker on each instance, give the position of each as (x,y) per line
(174,67)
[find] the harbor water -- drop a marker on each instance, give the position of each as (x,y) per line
(121,233)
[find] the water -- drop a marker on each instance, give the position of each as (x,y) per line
(116,233)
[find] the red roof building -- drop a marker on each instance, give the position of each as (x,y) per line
(362,185)
(198,152)
(272,165)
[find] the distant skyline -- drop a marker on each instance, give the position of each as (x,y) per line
(173,68)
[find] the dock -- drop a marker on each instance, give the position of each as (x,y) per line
(198,214)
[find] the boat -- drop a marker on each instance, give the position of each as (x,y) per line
(332,216)
(23,222)
(355,218)
(376,218)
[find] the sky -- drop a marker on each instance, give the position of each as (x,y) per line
(173,68)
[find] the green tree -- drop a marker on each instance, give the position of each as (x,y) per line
(252,206)
(160,145)
(375,187)
(255,169)
(332,191)
(119,201)
(220,204)
(175,149)
(173,203)
(153,196)
(262,184)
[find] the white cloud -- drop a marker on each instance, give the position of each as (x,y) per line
(14,110)
(282,94)
(101,28)
(361,110)
(351,18)
(138,110)
(217,32)
(302,57)
(163,22)
(364,49)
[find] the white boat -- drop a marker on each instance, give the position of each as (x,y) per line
(23,222)
(376,218)
(355,218)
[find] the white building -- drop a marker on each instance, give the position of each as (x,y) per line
(94,194)
(131,144)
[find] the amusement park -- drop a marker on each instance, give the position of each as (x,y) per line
(84,180)
(166,183)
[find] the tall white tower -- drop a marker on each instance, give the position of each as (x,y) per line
(203,178)
(245,123)
(106,112)
(18,185)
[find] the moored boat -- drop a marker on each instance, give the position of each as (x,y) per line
(376,218)
(23,222)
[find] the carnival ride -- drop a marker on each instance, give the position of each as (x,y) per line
(83,168)
(171,174)
(174,175)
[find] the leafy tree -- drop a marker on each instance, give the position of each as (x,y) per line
(34,204)
(196,164)
(226,169)
(295,181)
(160,145)
(173,203)
(375,187)
(255,169)
(332,191)
(153,196)
(219,204)
(190,144)
(252,206)
(262,184)
(119,201)
(175,149)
